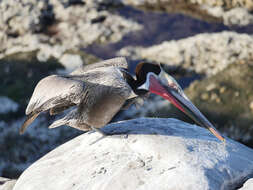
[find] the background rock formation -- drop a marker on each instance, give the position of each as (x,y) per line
(53,27)
(204,53)
(233,12)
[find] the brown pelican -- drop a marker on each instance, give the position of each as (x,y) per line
(98,91)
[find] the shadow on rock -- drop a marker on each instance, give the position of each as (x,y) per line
(147,126)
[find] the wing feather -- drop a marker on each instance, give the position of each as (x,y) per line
(116,62)
(55,91)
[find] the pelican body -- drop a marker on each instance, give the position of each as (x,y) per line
(98,91)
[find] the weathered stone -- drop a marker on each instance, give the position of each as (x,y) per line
(237,12)
(203,53)
(54,26)
(158,154)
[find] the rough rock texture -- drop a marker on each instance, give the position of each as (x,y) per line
(235,12)
(54,26)
(158,154)
(203,53)
(7,184)
(248,185)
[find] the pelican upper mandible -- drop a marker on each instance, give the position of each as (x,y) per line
(98,91)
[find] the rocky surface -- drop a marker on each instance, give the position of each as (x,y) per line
(158,153)
(235,12)
(55,26)
(7,184)
(248,185)
(203,53)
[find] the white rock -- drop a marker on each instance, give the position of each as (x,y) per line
(7,105)
(77,26)
(158,154)
(235,12)
(71,62)
(203,53)
(248,185)
(7,184)
(238,16)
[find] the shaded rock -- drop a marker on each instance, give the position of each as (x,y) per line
(203,53)
(7,105)
(248,185)
(158,153)
(19,73)
(7,184)
(235,12)
(229,101)
(54,26)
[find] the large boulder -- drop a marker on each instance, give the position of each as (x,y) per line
(157,154)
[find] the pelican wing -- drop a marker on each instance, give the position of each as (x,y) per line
(116,62)
(55,91)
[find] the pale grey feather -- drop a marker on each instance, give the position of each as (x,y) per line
(53,91)
(119,62)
